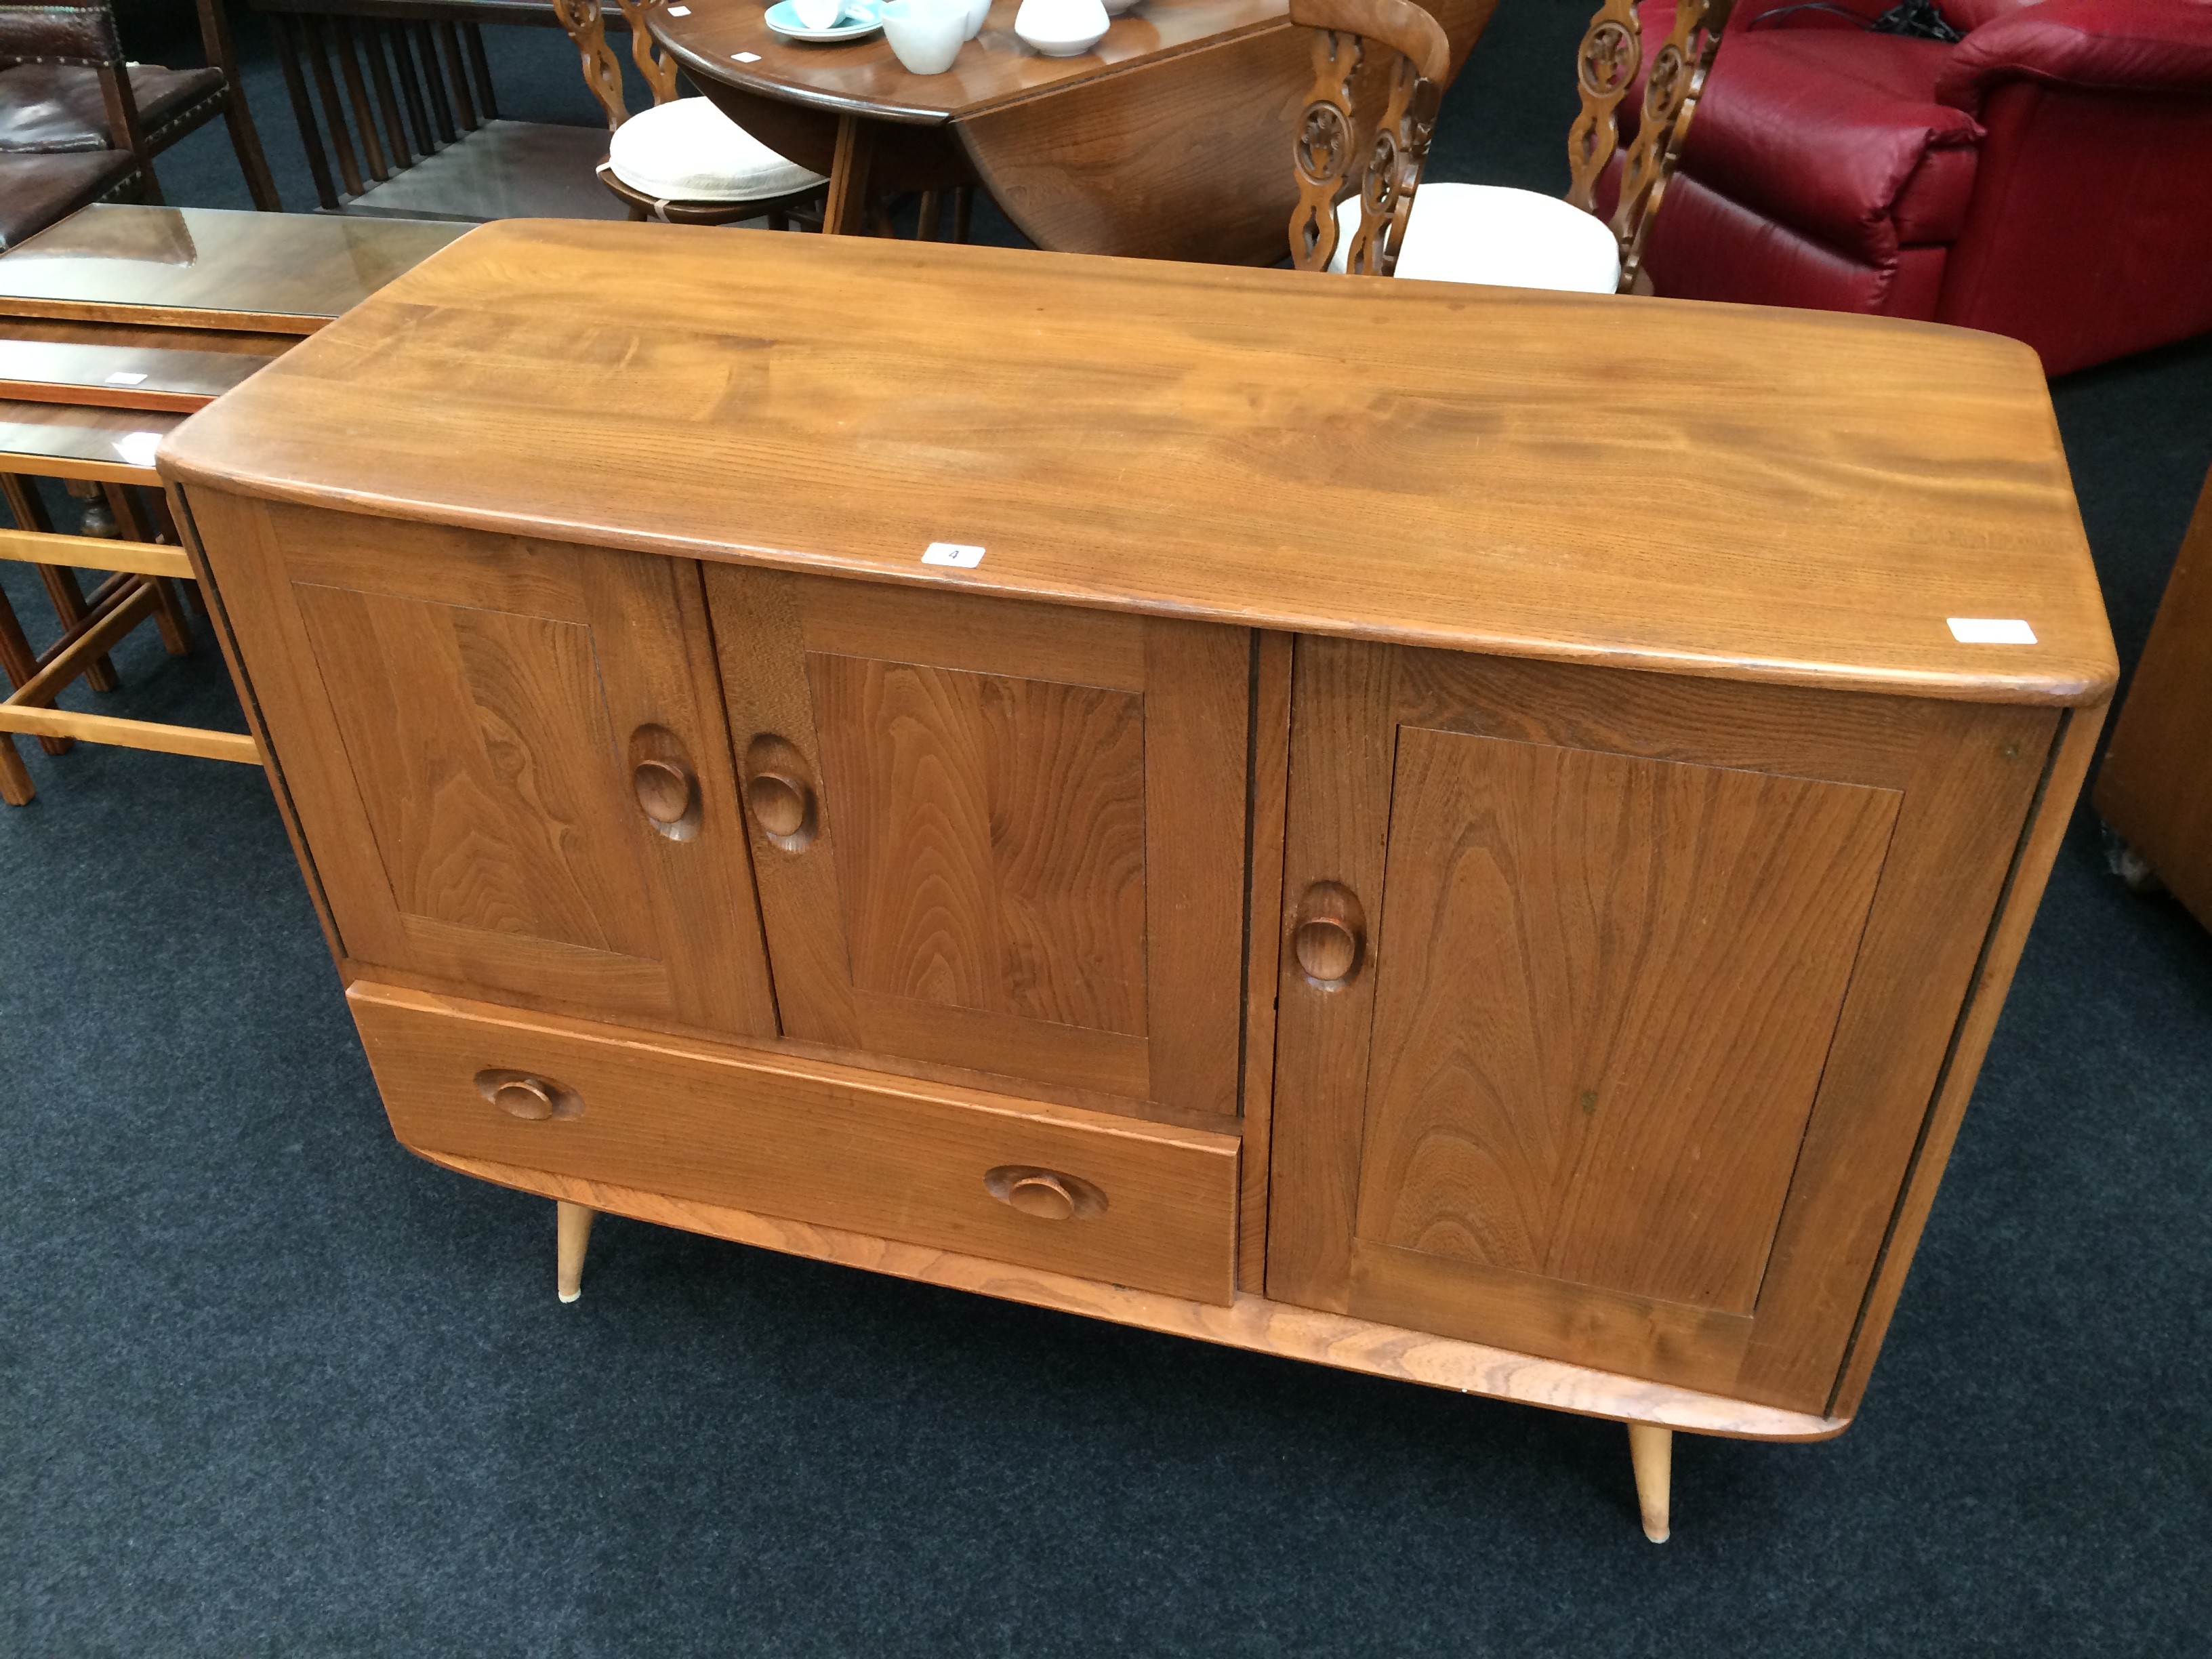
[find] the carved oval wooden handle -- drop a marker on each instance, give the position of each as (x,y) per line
(782,803)
(528,1096)
(1042,1195)
(664,791)
(1329,939)
(525,1098)
(1045,1193)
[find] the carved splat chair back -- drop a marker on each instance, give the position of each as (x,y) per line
(1613,50)
(1321,153)
(585,22)
(1611,56)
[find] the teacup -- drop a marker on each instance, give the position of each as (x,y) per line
(926,34)
(819,13)
(977,11)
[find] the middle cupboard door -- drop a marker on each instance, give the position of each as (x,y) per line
(998,836)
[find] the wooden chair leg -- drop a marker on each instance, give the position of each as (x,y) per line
(1651,1449)
(260,183)
(963,211)
(16,786)
(572,1228)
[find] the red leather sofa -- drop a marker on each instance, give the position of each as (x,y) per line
(2049,177)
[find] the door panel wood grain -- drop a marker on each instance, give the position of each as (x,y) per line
(996,836)
(990,839)
(476,721)
(1627,980)
(1607,991)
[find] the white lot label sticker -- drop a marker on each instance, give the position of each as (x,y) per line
(746,57)
(679,11)
(125,377)
(952,553)
(1990,630)
(137,448)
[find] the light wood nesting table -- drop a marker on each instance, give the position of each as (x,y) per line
(1448,833)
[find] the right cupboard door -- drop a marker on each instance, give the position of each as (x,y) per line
(1611,1003)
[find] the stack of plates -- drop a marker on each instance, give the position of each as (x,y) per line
(860,18)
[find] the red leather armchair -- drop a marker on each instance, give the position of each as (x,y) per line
(2049,177)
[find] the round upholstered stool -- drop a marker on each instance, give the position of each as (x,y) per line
(687,161)
(1489,234)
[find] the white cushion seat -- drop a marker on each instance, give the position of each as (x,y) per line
(687,150)
(1489,234)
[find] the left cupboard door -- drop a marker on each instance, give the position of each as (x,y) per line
(507,757)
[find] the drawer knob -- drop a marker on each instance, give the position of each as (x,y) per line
(528,1096)
(664,791)
(780,803)
(777,793)
(666,788)
(1331,935)
(1047,1194)
(525,1098)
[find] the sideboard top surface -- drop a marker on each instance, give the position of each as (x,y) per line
(1723,490)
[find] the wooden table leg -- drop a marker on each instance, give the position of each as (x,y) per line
(16,786)
(168,608)
(571,1231)
(844,209)
(1651,1449)
(61,584)
(19,662)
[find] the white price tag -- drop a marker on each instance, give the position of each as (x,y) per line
(125,377)
(1990,630)
(746,57)
(952,553)
(679,11)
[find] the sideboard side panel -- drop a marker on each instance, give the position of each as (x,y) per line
(2062,788)
(221,509)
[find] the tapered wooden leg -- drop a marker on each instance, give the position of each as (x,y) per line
(845,206)
(1651,1449)
(572,1226)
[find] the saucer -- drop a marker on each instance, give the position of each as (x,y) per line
(861,18)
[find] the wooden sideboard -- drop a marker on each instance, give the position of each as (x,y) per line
(1448,832)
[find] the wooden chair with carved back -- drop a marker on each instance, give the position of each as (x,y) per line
(683,160)
(1391,224)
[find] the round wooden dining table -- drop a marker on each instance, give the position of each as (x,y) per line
(1169,139)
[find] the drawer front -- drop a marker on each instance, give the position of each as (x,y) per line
(1102,1197)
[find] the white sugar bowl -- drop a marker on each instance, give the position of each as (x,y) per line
(1061,28)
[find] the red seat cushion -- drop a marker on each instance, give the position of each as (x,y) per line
(57,108)
(1839,135)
